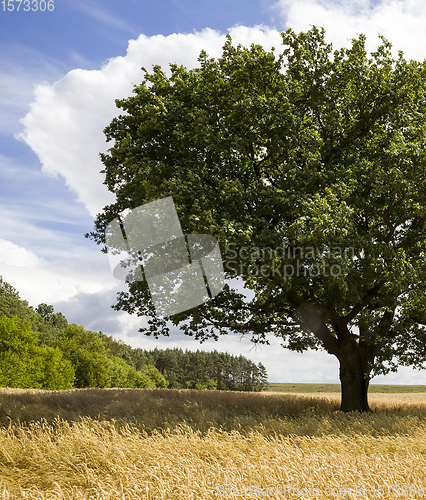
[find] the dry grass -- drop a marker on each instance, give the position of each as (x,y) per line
(309,388)
(162,444)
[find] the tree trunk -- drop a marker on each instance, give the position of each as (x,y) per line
(355,355)
(354,384)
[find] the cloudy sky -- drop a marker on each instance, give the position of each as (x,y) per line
(60,72)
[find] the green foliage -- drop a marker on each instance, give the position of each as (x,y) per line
(153,374)
(19,371)
(16,335)
(120,373)
(56,320)
(12,305)
(25,364)
(38,349)
(43,319)
(211,384)
(315,151)
(208,370)
(87,353)
(57,373)
(123,375)
(95,366)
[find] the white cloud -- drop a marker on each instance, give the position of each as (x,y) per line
(40,280)
(60,280)
(13,255)
(400,21)
(65,123)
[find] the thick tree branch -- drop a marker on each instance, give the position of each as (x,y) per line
(362,303)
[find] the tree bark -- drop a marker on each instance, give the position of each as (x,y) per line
(354,380)
(355,356)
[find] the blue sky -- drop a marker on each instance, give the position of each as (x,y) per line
(60,72)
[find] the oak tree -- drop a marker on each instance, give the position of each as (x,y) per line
(309,167)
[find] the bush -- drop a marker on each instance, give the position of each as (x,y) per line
(24,364)
(159,380)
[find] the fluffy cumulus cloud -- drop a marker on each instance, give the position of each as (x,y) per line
(400,21)
(66,120)
(13,255)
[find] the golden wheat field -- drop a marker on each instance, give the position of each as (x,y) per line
(188,444)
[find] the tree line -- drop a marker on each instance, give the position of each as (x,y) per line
(209,370)
(40,349)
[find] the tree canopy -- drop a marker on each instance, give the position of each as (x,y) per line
(309,167)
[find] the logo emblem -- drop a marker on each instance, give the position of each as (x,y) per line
(147,242)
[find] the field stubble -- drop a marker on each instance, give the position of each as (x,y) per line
(177,444)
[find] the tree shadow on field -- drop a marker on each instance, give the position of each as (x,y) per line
(161,409)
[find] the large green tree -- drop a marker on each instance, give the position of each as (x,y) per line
(315,154)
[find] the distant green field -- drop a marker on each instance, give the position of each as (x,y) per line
(300,388)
